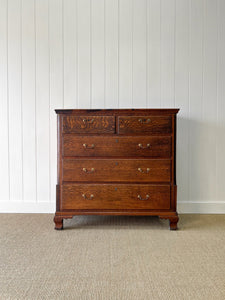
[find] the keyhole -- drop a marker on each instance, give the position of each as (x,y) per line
(116,163)
(115,189)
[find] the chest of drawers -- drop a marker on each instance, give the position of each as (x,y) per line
(116,162)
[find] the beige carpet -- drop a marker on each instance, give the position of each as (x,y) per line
(102,257)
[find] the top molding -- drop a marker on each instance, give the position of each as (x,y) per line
(132,111)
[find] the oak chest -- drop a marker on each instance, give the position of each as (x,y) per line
(116,162)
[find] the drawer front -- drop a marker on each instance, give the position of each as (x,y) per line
(116,146)
(112,196)
(117,170)
(88,124)
(145,125)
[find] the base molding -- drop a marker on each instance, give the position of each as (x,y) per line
(172,216)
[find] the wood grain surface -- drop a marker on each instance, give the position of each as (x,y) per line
(145,125)
(88,124)
(116,162)
(115,196)
(135,146)
(119,170)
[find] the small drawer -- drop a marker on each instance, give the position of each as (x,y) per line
(74,145)
(88,124)
(115,196)
(117,170)
(145,125)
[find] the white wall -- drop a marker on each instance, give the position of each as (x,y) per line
(110,54)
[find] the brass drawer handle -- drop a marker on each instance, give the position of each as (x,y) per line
(144,121)
(88,121)
(86,171)
(89,147)
(140,198)
(85,197)
(142,147)
(142,171)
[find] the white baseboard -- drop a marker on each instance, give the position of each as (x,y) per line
(26,207)
(201,207)
(45,207)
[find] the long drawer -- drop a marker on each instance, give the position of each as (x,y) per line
(74,145)
(115,196)
(117,170)
(145,125)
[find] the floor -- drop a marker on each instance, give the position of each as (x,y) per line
(103,257)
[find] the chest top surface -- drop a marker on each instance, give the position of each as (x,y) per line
(132,111)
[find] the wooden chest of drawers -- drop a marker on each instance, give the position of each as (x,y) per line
(116,162)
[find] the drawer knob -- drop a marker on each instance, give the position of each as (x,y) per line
(86,170)
(144,121)
(89,198)
(142,171)
(142,147)
(90,121)
(89,147)
(140,198)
